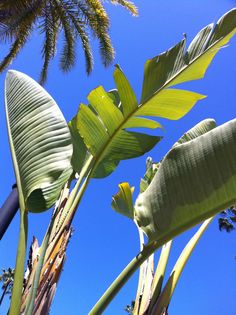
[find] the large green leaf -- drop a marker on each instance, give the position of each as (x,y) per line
(177,66)
(199,129)
(196,180)
(104,125)
(40,141)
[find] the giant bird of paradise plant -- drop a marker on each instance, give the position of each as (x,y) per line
(48,155)
(152,297)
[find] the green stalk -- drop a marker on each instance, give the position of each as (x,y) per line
(165,296)
(135,263)
(22,241)
(20,261)
(124,276)
(82,174)
(160,272)
(78,191)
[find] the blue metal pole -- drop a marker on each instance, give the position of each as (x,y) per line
(8,210)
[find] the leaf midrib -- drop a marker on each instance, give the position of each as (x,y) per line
(102,151)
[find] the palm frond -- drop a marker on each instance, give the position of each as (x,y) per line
(15,49)
(78,26)
(130,6)
(99,12)
(68,55)
(15,18)
(75,18)
(21,31)
(100,25)
(85,43)
(50,29)
(106,49)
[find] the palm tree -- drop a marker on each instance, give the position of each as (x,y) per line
(7,279)
(74,18)
(227,220)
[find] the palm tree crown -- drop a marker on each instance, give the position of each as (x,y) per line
(75,18)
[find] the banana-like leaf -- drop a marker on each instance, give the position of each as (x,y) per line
(40,141)
(177,66)
(80,152)
(102,127)
(199,129)
(103,124)
(122,201)
(196,180)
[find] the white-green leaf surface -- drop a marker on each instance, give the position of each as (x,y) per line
(196,180)
(40,141)
(199,129)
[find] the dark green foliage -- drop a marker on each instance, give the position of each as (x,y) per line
(74,18)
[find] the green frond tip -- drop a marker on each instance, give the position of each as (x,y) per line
(177,65)
(130,6)
(122,201)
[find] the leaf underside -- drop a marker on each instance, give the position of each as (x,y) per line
(196,180)
(40,141)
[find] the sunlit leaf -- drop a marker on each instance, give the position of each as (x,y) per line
(122,201)
(104,125)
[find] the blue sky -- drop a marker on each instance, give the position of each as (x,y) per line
(103,241)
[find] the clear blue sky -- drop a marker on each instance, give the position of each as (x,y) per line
(103,241)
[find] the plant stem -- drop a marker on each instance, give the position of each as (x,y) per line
(165,297)
(77,192)
(135,263)
(19,270)
(124,276)
(160,273)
